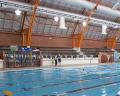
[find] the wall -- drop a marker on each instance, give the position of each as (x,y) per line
(1,64)
(72,61)
(106,57)
(37,40)
(9,39)
(64,42)
(118,46)
(46,41)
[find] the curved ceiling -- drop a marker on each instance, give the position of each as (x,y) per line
(104,11)
(45,25)
(84,7)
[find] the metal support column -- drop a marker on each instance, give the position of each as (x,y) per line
(85,28)
(32,19)
(23,32)
(73,34)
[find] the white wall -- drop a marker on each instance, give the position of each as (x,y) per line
(1,64)
(72,61)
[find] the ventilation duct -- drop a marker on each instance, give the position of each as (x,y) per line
(43,10)
(80,4)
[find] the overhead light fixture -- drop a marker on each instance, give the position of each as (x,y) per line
(56,19)
(104,29)
(84,23)
(62,23)
(18,12)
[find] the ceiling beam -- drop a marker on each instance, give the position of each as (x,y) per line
(116,5)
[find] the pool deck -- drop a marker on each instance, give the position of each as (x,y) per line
(51,66)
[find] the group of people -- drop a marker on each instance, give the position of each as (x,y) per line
(56,60)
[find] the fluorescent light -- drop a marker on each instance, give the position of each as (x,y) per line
(56,19)
(84,23)
(62,23)
(104,29)
(18,12)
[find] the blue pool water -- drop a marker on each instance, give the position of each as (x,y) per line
(103,80)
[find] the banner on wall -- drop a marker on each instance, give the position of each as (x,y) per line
(13,48)
(27,49)
(108,57)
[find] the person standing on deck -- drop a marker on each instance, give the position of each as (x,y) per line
(59,60)
(55,61)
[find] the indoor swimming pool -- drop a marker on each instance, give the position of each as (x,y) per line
(102,80)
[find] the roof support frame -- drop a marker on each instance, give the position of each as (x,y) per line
(53,12)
